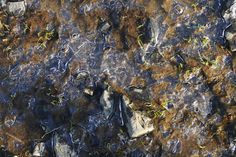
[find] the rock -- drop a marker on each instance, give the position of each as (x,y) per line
(62,149)
(233,147)
(178,9)
(107,102)
(137,123)
(10,120)
(16,8)
(164,56)
(196,95)
(137,153)
(88,91)
(33,4)
(174,146)
(230,17)
(105,27)
(230,14)
(231,37)
(39,150)
(203,105)
(3,3)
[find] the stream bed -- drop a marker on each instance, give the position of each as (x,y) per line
(117,78)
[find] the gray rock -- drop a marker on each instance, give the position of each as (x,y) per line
(230,17)
(194,95)
(231,37)
(137,123)
(62,149)
(191,98)
(232,147)
(107,103)
(88,91)
(105,27)
(33,4)
(137,153)
(39,150)
(50,27)
(16,8)
(174,146)
(230,14)
(9,121)
(3,3)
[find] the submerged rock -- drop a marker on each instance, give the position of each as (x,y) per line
(137,123)
(62,148)
(39,150)
(107,101)
(17,8)
(230,17)
(117,78)
(3,3)
(174,146)
(137,153)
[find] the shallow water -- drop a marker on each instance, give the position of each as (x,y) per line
(169,58)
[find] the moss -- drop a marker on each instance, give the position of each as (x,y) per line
(205,41)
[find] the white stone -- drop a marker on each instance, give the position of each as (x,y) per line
(62,149)
(3,3)
(39,150)
(233,11)
(231,37)
(107,103)
(137,123)
(88,91)
(16,8)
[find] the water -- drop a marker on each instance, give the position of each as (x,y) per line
(60,56)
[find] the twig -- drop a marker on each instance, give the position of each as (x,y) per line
(51,131)
(14,137)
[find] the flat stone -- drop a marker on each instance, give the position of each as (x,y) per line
(137,123)
(231,37)
(16,8)
(230,17)
(3,3)
(88,91)
(231,12)
(107,103)
(174,146)
(62,149)
(39,150)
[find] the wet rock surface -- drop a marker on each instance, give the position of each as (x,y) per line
(16,8)
(117,78)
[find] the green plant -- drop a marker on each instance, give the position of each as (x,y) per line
(194,5)
(26,28)
(165,103)
(206,61)
(205,41)
(44,36)
(159,113)
(54,102)
(140,41)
